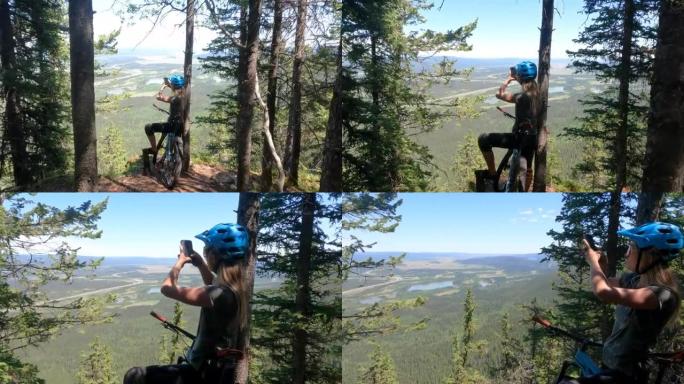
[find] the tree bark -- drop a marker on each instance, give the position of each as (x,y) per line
(623,97)
(267,159)
(303,294)
(648,209)
(544,67)
(248,217)
(294,126)
(246,99)
(13,127)
(187,72)
(331,173)
(664,163)
(82,55)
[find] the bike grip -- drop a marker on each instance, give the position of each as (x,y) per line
(541,321)
(158,316)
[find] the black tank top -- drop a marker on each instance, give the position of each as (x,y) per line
(525,112)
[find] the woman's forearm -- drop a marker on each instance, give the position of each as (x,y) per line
(207,276)
(172,279)
(599,281)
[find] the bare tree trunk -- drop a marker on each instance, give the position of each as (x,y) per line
(623,97)
(83,93)
(649,206)
(664,163)
(268,139)
(13,127)
(544,67)
(246,98)
(187,72)
(303,294)
(331,174)
(272,97)
(294,126)
(248,217)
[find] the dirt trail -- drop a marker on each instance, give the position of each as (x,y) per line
(200,178)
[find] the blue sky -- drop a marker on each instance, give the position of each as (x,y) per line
(508,28)
(471,223)
(148,224)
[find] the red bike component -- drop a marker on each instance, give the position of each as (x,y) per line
(545,323)
(223,353)
(158,316)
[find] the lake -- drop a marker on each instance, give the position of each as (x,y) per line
(431,286)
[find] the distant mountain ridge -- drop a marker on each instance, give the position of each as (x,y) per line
(447,255)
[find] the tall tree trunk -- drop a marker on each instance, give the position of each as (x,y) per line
(82,55)
(544,67)
(246,96)
(294,126)
(331,175)
(624,77)
(187,72)
(611,251)
(649,206)
(266,158)
(303,294)
(13,127)
(248,217)
(664,163)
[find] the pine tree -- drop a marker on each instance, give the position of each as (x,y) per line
(511,348)
(461,370)
(97,366)
(467,159)
(82,52)
(37,140)
(28,318)
(171,347)
(382,103)
(112,155)
(381,369)
(664,163)
(299,322)
(615,48)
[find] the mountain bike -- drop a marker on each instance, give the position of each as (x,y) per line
(220,367)
(510,161)
(588,367)
(168,159)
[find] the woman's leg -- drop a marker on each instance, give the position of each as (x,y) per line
(150,130)
(163,374)
(487,141)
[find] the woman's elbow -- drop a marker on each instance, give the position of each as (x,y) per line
(167,290)
(603,294)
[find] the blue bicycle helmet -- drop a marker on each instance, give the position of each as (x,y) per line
(230,241)
(526,70)
(177,81)
(663,236)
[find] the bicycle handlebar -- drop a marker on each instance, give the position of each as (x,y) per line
(160,109)
(505,113)
(547,324)
(172,327)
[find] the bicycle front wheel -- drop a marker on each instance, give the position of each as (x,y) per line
(514,184)
(171,164)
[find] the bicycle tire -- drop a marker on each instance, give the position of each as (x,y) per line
(170,163)
(513,183)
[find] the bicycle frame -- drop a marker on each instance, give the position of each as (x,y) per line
(588,367)
(221,353)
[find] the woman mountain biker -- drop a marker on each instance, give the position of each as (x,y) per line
(647,299)
(524,133)
(224,309)
(175,120)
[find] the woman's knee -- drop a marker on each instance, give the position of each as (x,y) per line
(483,142)
(148,129)
(135,375)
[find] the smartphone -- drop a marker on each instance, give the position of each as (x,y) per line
(187,249)
(591,242)
(513,71)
